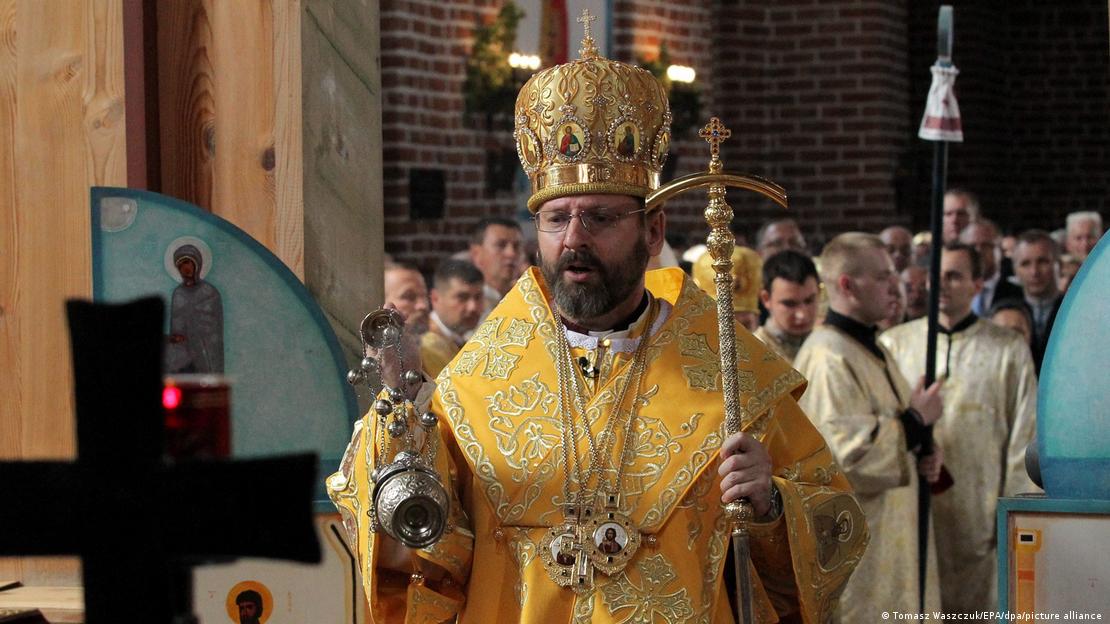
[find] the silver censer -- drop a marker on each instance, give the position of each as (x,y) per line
(408,501)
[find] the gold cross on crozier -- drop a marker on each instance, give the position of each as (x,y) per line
(715,133)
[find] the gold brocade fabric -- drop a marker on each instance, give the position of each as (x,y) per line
(501,454)
(435,352)
(855,407)
(990,403)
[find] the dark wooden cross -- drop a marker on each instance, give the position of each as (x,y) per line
(137,521)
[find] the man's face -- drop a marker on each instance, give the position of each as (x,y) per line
(915,281)
(1035,267)
(1082,238)
(899,244)
(896,313)
(248,612)
(957,286)
(985,240)
(781,236)
(592,273)
(792,306)
(956,215)
(873,286)
(459,305)
(405,289)
(499,256)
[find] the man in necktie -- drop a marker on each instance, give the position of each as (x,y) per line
(983,236)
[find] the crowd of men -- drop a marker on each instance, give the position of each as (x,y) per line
(852,321)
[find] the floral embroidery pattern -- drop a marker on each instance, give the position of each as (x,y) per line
(492,346)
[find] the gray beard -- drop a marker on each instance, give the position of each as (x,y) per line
(587,301)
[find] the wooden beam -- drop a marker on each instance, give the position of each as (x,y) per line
(186,100)
(288,136)
(230,114)
(243,62)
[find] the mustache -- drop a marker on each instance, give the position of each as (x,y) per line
(584,258)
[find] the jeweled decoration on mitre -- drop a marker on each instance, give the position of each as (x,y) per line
(592,125)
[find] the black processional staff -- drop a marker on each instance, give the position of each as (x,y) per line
(940,124)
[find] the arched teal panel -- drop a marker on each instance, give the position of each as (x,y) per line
(1073,401)
(283,360)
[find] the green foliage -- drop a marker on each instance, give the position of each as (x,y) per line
(685,98)
(491,86)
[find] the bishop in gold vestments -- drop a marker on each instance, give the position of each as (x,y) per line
(592,393)
(500,453)
(990,404)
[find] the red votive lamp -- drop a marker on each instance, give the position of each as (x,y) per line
(198,416)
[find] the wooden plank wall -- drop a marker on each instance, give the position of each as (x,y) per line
(61,131)
(233,112)
(229,84)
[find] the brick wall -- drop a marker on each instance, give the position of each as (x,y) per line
(818,95)
(425,44)
(823,96)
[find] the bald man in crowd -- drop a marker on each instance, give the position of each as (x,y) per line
(775,236)
(405,290)
(899,244)
(915,283)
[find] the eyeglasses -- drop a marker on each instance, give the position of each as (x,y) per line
(555,221)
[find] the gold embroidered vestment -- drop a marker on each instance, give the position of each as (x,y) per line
(990,405)
(855,406)
(500,454)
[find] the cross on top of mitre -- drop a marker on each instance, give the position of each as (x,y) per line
(589,50)
(715,133)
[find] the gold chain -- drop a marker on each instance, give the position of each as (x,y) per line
(638,373)
(564,370)
(570,435)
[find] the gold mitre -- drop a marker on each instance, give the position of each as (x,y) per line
(747,278)
(592,125)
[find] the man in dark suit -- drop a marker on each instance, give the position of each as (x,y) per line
(1036,260)
(983,236)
